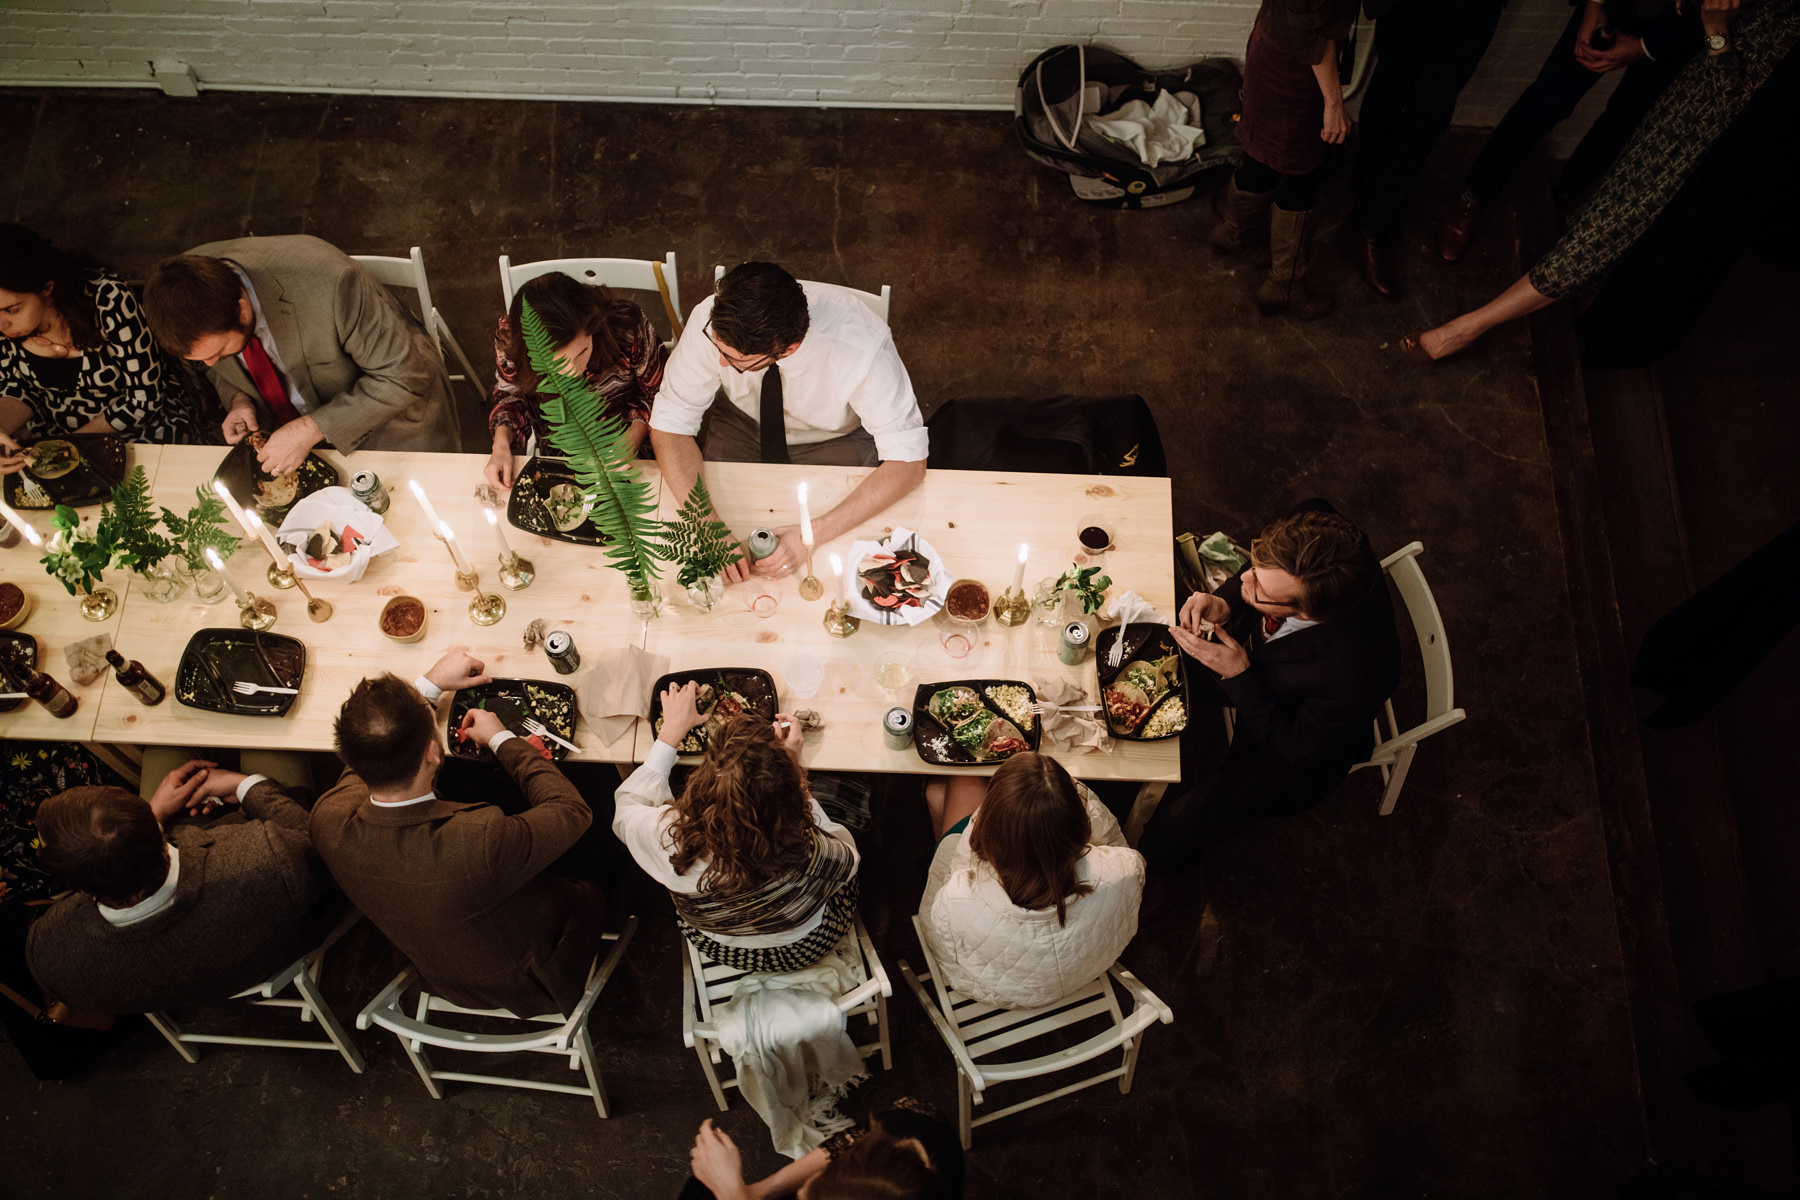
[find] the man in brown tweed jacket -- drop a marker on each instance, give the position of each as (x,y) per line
(187,918)
(460,888)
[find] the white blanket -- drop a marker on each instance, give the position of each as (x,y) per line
(794,1059)
(1166,131)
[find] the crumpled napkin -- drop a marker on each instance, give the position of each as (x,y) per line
(615,691)
(339,507)
(1076,731)
(1166,131)
(87,658)
(1129,606)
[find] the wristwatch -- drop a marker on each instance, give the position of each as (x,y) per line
(1716,42)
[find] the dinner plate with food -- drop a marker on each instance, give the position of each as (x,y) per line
(271,495)
(724,693)
(77,470)
(1145,698)
(515,701)
(972,722)
(900,580)
(548,500)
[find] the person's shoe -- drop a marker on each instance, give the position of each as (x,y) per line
(1456,228)
(1373,264)
(1290,247)
(1243,219)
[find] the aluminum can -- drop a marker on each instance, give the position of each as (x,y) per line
(762,543)
(563,655)
(897,729)
(1073,648)
(367,487)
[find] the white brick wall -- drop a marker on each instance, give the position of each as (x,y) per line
(903,53)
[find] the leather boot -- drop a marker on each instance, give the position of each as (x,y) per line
(1243,221)
(1456,227)
(1284,291)
(1370,254)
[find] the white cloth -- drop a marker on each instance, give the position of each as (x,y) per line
(1129,606)
(150,905)
(1166,131)
(937,583)
(794,1060)
(642,815)
(338,508)
(846,373)
(266,336)
(1288,625)
(991,949)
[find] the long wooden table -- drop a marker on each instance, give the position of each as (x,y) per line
(975,520)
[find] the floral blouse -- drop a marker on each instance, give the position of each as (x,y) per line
(30,773)
(124,380)
(627,387)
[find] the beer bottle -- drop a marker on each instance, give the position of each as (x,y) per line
(46,691)
(133,678)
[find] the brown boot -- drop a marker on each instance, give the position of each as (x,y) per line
(1243,221)
(1284,291)
(1456,227)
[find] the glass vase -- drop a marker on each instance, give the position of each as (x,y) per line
(161,583)
(99,604)
(208,585)
(706,593)
(646,602)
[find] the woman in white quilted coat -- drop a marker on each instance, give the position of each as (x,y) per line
(1037,895)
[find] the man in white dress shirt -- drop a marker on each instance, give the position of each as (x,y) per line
(809,375)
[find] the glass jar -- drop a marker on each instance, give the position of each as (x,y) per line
(706,593)
(161,583)
(646,601)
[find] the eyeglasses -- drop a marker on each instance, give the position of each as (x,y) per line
(760,363)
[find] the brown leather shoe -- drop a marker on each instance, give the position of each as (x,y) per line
(1456,228)
(1373,265)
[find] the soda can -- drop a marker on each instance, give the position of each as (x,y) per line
(897,728)
(762,543)
(367,487)
(1073,648)
(563,655)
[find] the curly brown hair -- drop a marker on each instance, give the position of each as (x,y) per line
(569,308)
(1032,828)
(744,811)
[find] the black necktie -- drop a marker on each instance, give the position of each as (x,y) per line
(773,421)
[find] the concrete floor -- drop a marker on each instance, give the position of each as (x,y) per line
(1431,1004)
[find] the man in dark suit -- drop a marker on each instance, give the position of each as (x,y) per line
(461,888)
(1305,652)
(164,921)
(303,345)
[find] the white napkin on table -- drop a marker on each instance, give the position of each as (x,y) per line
(1129,606)
(337,507)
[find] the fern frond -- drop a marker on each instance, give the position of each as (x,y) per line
(698,540)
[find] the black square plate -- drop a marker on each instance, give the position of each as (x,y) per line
(528,506)
(1141,642)
(217,658)
(758,687)
(933,740)
(21,646)
(242,475)
(99,464)
(512,700)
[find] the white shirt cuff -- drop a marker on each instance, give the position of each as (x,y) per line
(248,782)
(494,742)
(662,757)
(428,689)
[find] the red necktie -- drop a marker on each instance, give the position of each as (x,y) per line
(268,381)
(1270,625)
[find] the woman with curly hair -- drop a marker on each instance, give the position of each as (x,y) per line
(76,355)
(762,879)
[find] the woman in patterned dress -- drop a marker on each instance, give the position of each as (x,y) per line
(1744,46)
(761,878)
(603,336)
(75,354)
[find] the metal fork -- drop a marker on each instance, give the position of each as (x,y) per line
(34,495)
(250,689)
(533,725)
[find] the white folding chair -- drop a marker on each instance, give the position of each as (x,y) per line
(706,984)
(409,273)
(878,303)
(303,974)
(566,1036)
(1394,747)
(639,274)
(974,1031)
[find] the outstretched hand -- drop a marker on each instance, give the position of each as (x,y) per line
(457,669)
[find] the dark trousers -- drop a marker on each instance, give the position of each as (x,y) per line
(1426,50)
(1549,100)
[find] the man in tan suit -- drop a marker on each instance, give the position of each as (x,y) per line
(303,345)
(461,889)
(162,921)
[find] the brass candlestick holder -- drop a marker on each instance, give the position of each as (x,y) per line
(487,607)
(810,587)
(281,574)
(838,621)
(1012,608)
(255,613)
(318,610)
(516,572)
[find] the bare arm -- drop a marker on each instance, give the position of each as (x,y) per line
(793,1176)
(1337,125)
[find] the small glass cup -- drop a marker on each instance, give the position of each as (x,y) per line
(761,598)
(803,674)
(1093,536)
(957,640)
(894,672)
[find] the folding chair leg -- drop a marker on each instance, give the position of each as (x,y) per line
(584,1046)
(1149,796)
(1402,763)
(712,1076)
(422,1064)
(881,1023)
(1132,1046)
(168,1029)
(965,1123)
(317,1009)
